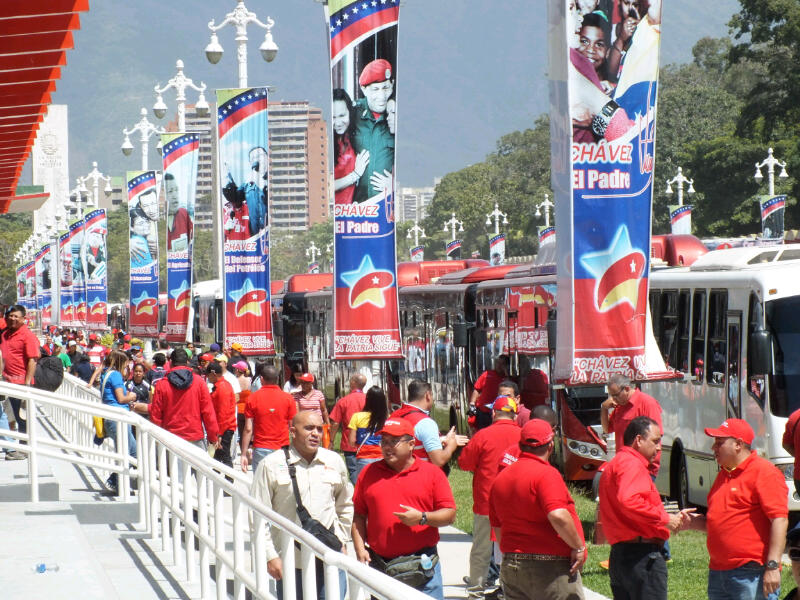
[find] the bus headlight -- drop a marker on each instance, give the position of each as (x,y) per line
(585,449)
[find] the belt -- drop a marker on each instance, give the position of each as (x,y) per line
(524,556)
(643,540)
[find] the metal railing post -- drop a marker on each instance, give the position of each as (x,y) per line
(33,445)
(188,518)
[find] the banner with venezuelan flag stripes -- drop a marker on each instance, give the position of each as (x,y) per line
(772,211)
(65,308)
(363,53)
(142,189)
(26,285)
(95,268)
(680,218)
(604,67)
(76,229)
(44,284)
(180,154)
(243,140)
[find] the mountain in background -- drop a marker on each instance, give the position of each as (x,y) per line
(468,72)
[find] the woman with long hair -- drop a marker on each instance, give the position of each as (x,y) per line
(113,393)
(364,427)
(348,167)
(292,385)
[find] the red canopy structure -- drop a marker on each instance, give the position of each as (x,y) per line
(35,36)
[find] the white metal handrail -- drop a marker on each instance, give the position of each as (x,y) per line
(185,496)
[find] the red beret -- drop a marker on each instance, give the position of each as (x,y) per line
(378,70)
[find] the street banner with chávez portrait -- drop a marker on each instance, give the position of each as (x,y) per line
(95,268)
(26,284)
(65,308)
(497,249)
(44,284)
(180,155)
(602,171)
(772,210)
(76,229)
(143,215)
(363,55)
(680,218)
(20,279)
(244,177)
(453,249)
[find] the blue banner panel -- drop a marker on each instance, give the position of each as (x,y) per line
(143,246)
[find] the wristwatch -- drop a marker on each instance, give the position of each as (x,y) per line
(771,565)
(423,520)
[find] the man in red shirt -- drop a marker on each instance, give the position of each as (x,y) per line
(533,517)
(224,401)
(485,391)
(19,350)
(791,443)
(511,389)
(400,502)
(482,456)
(746,520)
(268,413)
(182,405)
(340,417)
(633,516)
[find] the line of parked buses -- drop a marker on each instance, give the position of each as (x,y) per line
(725,322)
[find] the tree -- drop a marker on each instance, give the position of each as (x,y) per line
(16,228)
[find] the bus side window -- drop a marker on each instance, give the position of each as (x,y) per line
(684,303)
(656,313)
(669,320)
(698,335)
(716,350)
(755,319)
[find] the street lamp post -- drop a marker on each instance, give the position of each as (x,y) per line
(770,162)
(496,214)
(312,251)
(179,83)
(680,179)
(547,205)
(240,17)
(77,192)
(418,232)
(95,177)
(146,129)
(451,224)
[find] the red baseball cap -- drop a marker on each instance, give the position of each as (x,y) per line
(397,428)
(505,404)
(737,429)
(207,356)
(536,432)
(307,377)
(92,336)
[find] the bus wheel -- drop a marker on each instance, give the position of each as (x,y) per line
(683,484)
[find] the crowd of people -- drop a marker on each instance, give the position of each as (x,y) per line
(386,491)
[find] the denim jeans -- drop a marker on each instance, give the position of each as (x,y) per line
(360,464)
(4,421)
(111,432)
(743,583)
(434,587)
(260,454)
(350,463)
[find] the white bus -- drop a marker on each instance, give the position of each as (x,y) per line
(730,324)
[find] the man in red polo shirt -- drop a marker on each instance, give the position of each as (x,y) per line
(485,391)
(633,516)
(224,401)
(400,502)
(746,520)
(533,517)
(482,456)
(19,350)
(340,417)
(268,413)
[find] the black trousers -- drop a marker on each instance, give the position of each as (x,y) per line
(638,572)
(223,453)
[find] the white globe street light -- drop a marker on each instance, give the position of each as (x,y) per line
(179,83)
(146,129)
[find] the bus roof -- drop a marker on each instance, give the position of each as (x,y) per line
(429,271)
(750,258)
(309,282)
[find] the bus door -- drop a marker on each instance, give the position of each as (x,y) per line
(733,366)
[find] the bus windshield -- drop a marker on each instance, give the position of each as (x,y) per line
(783,324)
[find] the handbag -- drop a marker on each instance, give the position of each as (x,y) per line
(324,534)
(406,569)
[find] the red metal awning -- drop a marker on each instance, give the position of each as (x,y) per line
(36,35)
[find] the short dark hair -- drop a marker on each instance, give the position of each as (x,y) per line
(268,373)
(507,383)
(417,389)
(639,426)
(159,359)
(214,367)
(180,357)
(16,308)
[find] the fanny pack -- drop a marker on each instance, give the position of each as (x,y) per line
(324,534)
(409,568)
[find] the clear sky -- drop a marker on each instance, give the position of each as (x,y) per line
(469,70)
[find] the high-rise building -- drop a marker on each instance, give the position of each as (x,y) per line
(412,199)
(298,148)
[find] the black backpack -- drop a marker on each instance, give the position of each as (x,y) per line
(49,373)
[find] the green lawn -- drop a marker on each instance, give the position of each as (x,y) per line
(687,571)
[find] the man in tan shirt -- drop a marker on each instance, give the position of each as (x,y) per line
(324,485)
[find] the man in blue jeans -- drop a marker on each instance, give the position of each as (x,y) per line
(746,520)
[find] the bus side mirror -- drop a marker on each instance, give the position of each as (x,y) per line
(480,338)
(760,352)
(551,335)
(460,335)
